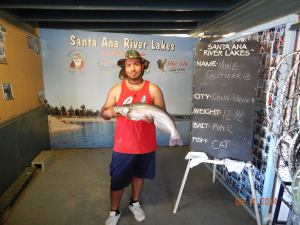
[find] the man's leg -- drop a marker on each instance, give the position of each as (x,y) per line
(137,185)
(121,174)
(115,198)
(145,168)
(134,204)
(114,214)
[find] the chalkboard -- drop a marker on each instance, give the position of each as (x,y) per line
(224,99)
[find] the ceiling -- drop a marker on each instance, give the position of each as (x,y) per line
(148,17)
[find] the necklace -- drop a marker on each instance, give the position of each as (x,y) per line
(135,86)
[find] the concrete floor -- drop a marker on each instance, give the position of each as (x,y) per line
(74,190)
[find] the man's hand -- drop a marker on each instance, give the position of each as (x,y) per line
(148,119)
(108,113)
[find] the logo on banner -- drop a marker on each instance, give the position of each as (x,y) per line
(161,64)
(172,65)
(77,61)
(177,65)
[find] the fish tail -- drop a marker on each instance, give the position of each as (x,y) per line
(175,141)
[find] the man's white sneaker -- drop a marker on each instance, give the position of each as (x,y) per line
(137,211)
(113,218)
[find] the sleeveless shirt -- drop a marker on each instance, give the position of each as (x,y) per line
(134,137)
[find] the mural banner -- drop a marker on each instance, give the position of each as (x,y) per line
(80,67)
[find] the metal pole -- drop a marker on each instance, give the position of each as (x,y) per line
(254,195)
(182,186)
(214,172)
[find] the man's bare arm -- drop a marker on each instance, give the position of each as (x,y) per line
(107,111)
(158,97)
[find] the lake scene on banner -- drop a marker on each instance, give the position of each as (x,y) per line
(101,134)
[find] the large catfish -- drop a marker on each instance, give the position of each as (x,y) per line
(161,119)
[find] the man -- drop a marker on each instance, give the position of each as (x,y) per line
(133,157)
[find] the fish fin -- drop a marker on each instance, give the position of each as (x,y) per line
(161,126)
(175,141)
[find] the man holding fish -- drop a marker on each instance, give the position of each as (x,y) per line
(139,108)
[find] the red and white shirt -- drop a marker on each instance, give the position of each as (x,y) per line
(134,137)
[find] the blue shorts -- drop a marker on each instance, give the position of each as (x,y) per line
(124,167)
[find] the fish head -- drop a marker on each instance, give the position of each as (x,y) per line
(123,110)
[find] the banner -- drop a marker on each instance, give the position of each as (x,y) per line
(80,67)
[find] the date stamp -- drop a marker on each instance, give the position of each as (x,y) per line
(264,201)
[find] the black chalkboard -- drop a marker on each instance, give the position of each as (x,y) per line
(224,99)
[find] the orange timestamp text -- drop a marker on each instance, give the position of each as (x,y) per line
(264,201)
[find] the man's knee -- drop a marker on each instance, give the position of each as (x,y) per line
(117,185)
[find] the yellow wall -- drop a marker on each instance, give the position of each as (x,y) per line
(23,70)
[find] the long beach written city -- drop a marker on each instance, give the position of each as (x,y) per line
(128,43)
